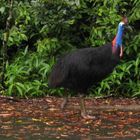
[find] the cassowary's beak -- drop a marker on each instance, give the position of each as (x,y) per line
(129,28)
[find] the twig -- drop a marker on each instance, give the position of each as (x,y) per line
(104,97)
(135,107)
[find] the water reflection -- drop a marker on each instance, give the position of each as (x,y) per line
(112,125)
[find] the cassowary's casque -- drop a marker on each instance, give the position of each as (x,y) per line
(81,69)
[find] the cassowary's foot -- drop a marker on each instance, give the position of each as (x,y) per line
(83,110)
(86,116)
(64,103)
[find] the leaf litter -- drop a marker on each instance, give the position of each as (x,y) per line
(41,119)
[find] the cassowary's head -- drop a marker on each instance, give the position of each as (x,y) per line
(127,26)
(125,20)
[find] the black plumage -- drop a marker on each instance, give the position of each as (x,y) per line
(82,68)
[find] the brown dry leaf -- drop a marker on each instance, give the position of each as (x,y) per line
(6,115)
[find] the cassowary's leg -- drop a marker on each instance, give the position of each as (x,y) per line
(65,100)
(83,109)
(64,103)
(82,106)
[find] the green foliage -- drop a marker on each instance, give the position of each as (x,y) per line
(135,13)
(27,75)
(16,36)
(51,28)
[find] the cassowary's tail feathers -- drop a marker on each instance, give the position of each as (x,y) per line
(57,76)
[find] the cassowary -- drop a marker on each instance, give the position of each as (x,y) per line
(81,69)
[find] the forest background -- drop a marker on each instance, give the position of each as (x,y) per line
(40,31)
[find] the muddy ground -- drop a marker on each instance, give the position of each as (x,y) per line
(42,119)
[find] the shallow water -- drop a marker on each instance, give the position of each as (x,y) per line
(126,126)
(33,120)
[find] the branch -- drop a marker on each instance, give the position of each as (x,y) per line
(9,98)
(5,41)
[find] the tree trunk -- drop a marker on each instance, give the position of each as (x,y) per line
(5,41)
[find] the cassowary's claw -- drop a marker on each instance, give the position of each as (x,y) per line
(85,116)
